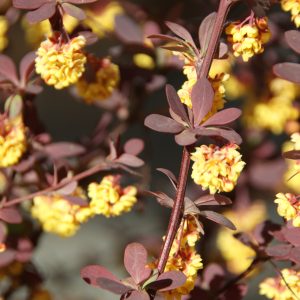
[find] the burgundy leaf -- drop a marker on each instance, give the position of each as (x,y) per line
(68,188)
(168,281)
(128,30)
(263,232)
(190,208)
(138,295)
(8,69)
(292,235)
(7,257)
(175,104)
(170,175)
(134,146)
(130,160)
(29,4)
(113,286)
(135,260)
(90,37)
(181,32)
(162,124)
(78,2)
(90,274)
(223,117)
(202,99)
(74,11)
(162,198)
(167,38)
(186,137)
(293,39)
(279,251)
(293,154)
(26,67)
(10,215)
(205,31)
(212,200)
(230,135)
(295,255)
(288,71)
(218,218)
(63,149)
(46,11)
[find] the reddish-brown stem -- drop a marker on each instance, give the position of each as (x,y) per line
(176,214)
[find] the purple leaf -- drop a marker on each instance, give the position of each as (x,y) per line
(202,99)
(279,251)
(134,146)
(212,200)
(113,286)
(10,215)
(135,260)
(295,255)
(76,200)
(63,149)
(162,198)
(293,39)
(7,257)
(223,117)
(162,124)
(128,30)
(175,104)
(170,175)
(130,160)
(292,235)
(293,154)
(74,11)
(90,37)
(229,135)
(288,71)
(205,31)
(168,281)
(186,137)
(263,232)
(68,188)
(218,218)
(26,67)
(29,4)
(181,32)
(167,38)
(138,295)
(46,11)
(90,274)
(78,2)
(8,69)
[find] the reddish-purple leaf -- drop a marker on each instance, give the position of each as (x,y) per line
(74,11)
(293,154)
(63,149)
(162,124)
(166,38)
(292,235)
(162,198)
(218,218)
(29,4)
(212,200)
(229,135)
(223,117)
(170,175)
(33,89)
(78,2)
(295,255)
(175,104)
(168,281)
(8,69)
(128,30)
(288,71)
(26,67)
(90,37)
(135,260)
(202,99)
(130,160)
(185,138)
(10,215)
(46,11)
(113,286)
(68,188)
(293,39)
(90,274)
(76,200)
(134,146)
(279,251)
(205,31)
(181,32)
(138,295)
(263,232)
(7,257)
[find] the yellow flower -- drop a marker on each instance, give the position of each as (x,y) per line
(109,198)
(288,207)
(61,64)
(3,31)
(103,21)
(58,215)
(41,294)
(12,141)
(293,6)
(183,257)
(215,168)
(248,39)
(277,289)
(144,61)
(238,256)
(101,87)
(295,138)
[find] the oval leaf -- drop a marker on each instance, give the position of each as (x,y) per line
(74,11)
(8,69)
(288,71)
(168,281)
(293,39)
(10,215)
(185,138)
(134,146)
(28,4)
(130,160)
(46,11)
(162,124)
(115,287)
(205,31)
(63,149)
(128,30)
(223,117)
(218,218)
(26,67)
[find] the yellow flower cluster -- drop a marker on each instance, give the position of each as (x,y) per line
(12,141)
(183,257)
(3,31)
(248,39)
(238,256)
(293,6)
(215,168)
(108,198)
(277,289)
(275,112)
(217,81)
(58,215)
(288,207)
(61,64)
(144,61)
(102,85)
